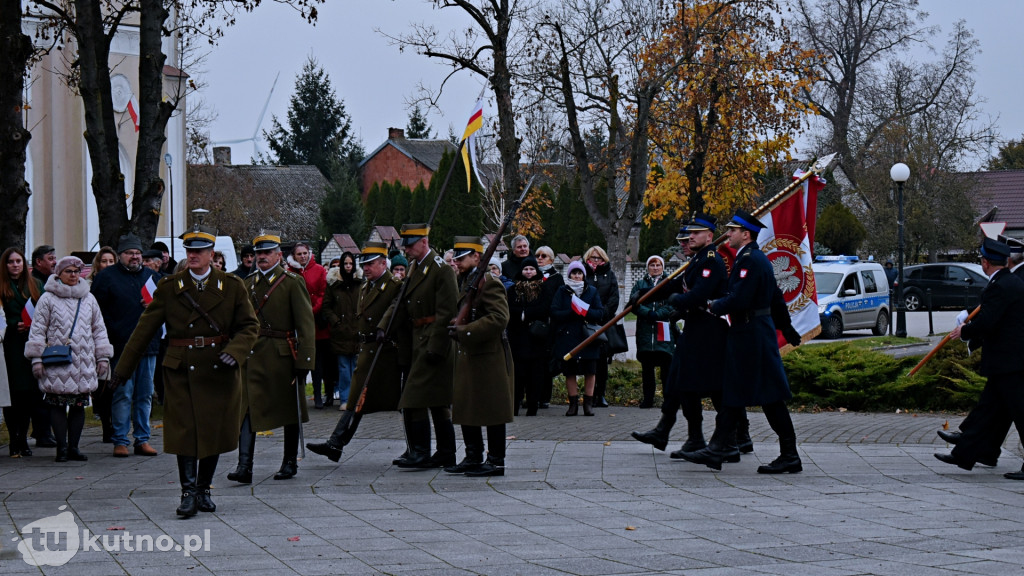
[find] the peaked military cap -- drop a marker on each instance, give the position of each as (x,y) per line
(466,245)
(701,222)
(199,238)
(745,220)
(1016,246)
(267,240)
(995,252)
(411,233)
(372,251)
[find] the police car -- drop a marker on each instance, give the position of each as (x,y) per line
(852,294)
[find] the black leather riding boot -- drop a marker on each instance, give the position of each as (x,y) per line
(246,447)
(187,478)
(204,479)
(289,465)
(474,438)
(658,436)
(417,434)
(343,432)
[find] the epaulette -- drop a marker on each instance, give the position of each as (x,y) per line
(439,261)
(253,273)
(290,273)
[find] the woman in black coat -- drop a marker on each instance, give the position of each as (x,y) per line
(601,276)
(529,306)
(574,305)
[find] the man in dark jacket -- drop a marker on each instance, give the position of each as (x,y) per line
(245,260)
(43,262)
(999,328)
(754,375)
(514,263)
(119,291)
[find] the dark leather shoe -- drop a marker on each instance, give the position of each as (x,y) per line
(189,504)
(950,437)
(651,437)
(464,467)
(600,402)
(782,465)
(707,457)
(544,405)
(205,503)
(76,456)
(332,452)
(1018,475)
(488,468)
(62,455)
(241,475)
(45,443)
(289,469)
(400,459)
(989,462)
(692,445)
(950,459)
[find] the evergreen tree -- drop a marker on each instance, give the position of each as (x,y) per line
(656,238)
(418,126)
(403,204)
(318,131)
(419,210)
(341,210)
(372,203)
(1010,156)
(839,230)
(460,212)
(386,205)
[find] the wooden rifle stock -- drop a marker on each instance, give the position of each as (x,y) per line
(477,276)
(821,165)
(943,342)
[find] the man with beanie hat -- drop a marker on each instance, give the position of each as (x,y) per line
(118,289)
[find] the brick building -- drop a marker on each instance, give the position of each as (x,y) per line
(407,160)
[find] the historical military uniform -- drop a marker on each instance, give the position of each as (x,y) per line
(426,308)
(274,392)
(208,320)
(699,358)
(754,375)
(484,379)
(384,386)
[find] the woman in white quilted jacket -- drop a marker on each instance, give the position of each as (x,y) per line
(67,314)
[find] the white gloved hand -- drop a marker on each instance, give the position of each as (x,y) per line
(961,317)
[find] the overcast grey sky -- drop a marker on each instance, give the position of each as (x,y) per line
(375,80)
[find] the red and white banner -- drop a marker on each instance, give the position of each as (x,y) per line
(133,111)
(149,290)
(787,241)
(662,331)
(28,312)
(579,306)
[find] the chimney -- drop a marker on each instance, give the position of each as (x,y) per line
(396,134)
(222,155)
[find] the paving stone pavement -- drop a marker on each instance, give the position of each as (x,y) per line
(579,497)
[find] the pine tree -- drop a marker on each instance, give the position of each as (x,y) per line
(418,126)
(319,131)
(386,205)
(372,203)
(403,204)
(419,209)
(341,210)
(460,212)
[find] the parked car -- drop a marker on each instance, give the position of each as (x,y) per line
(852,294)
(953,285)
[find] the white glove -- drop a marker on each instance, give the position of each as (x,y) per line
(961,317)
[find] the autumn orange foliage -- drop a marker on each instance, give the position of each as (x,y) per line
(731,110)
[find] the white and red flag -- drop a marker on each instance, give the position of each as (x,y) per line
(662,331)
(28,312)
(148,290)
(133,111)
(579,306)
(787,241)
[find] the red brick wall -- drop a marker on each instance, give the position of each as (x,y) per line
(389,165)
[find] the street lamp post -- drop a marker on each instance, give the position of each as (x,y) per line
(169,160)
(899,173)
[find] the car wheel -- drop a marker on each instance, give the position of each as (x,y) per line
(832,327)
(912,301)
(881,324)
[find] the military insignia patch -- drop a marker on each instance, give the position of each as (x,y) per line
(181,284)
(438,260)
(220,285)
(705,273)
(743,272)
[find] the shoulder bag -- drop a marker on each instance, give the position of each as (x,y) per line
(58,355)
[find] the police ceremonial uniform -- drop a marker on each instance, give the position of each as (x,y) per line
(754,375)
(424,311)
(211,327)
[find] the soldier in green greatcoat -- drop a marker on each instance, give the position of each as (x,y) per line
(211,327)
(378,291)
(274,385)
(426,308)
(483,366)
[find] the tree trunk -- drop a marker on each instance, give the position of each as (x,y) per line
(100,126)
(153,116)
(15,51)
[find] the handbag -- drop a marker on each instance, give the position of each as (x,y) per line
(539,329)
(617,342)
(61,354)
(591,329)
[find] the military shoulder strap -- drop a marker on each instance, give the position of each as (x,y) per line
(203,313)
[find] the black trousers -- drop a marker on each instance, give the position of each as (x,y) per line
(777,414)
(649,361)
(473,436)
(1001,400)
(530,374)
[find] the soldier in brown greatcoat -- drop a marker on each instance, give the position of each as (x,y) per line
(483,367)
(378,291)
(426,308)
(211,327)
(274,391)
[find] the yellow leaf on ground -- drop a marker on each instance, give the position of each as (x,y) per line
(267,433)
(630,527)
(608,443)
(945,425)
